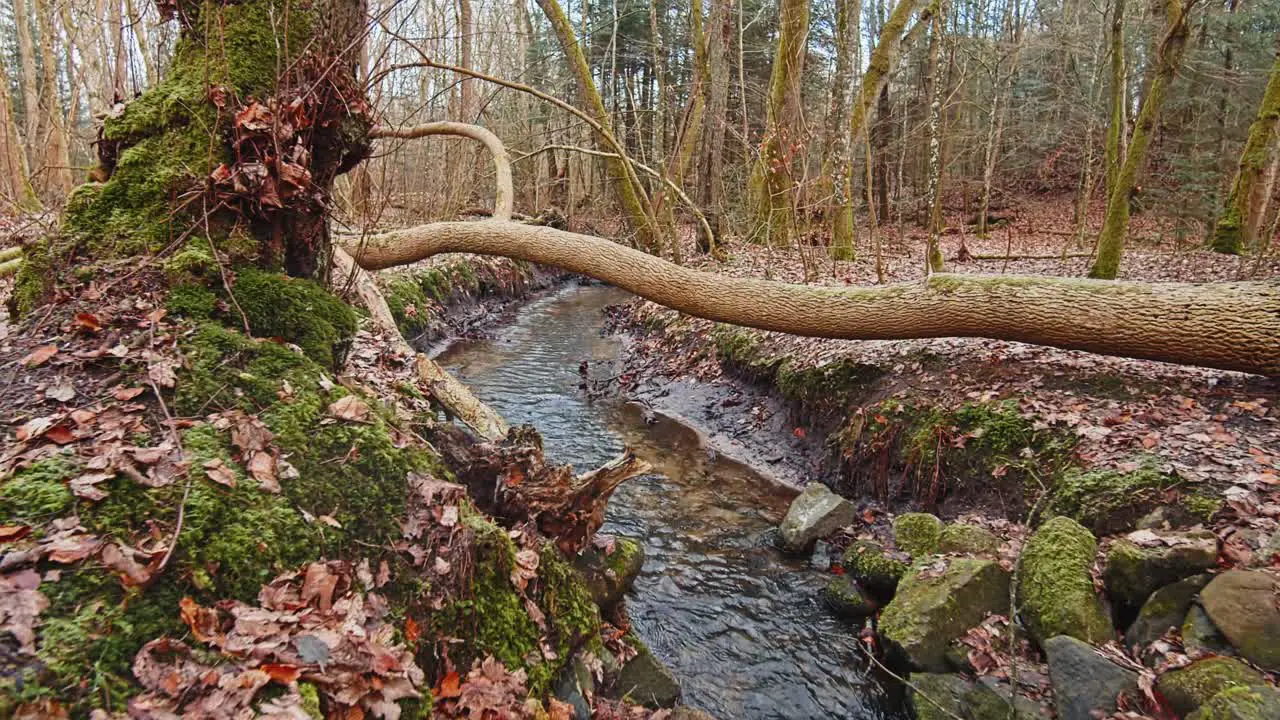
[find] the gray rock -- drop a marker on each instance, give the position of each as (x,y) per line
(1243,604)
(684,712)
(646,681)
(846,598)
(1269,552)
(1148,560)
(937,603)
(1260,702)
(1200,636)
(959,697)
(815,513)
(821,558)
(1187,688)
(610,575)
(1083,680)
(1166,608)
(575,685)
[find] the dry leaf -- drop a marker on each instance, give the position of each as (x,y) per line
(219,472)
(349,407)
(39,356)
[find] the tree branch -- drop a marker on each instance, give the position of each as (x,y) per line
(503,193)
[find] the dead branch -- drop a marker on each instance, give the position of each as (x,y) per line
(503,193)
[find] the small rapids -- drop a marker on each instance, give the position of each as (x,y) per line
(738,623)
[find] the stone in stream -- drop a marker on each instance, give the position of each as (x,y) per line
(1259,702)
(821,558)
(645,680)
(968,539)
(1166,608)
(875,568)
(1083,680)
(939,696)
(1147,560)
(1243,605)
(815,513)
(846,598)
(937,603)
(1187,688)
(917,533)
(610,574)
(1055,587)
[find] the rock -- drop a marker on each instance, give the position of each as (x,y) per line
(1148,560)
(968,539)
(1269,553)
(1166,608)
(875,568)
(1055,587)
(1083,680)
(1260,702)
(959,698)
(575,685)
(1107,501)
(1189,687)
(1200,636)
(917,533)
(646,681)
(609,575)
(684,712)
(846,598)
(1242,603)
(815,513)
(938,603)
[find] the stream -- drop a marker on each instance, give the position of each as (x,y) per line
(738,623)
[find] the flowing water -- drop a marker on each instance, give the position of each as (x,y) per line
(738,623)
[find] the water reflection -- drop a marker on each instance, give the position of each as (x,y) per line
(737,622)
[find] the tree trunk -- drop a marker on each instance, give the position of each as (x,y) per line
(876,78)
(933,252)
(30,86)
(1232,326)
(1168,58)
(630,194)
(188,163)
(995,118)
(836,155)
(716,118)
(1119,99)
(14,183)
(1238,227)
(772,184)
(53,122)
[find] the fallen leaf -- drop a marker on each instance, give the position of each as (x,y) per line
(86,485)
(61,434)
(161,373)
(62,392)
(125,394)
(450,686)
(411,630)
(283,674)
(349,407)
(219,472)
(10,533)
(39,356)
(87,321)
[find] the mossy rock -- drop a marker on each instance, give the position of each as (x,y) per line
(962,698)
(1165,609)
(1108,501)
(1242,604)
(846,598)
(1135,571)
(1055,587)
(936,605)
(609,576)
(917,533)
(1259,702)
(1200,636)
(874,567)
(645,680)
(968,539)
(1189,687)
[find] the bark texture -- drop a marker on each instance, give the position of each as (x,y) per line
(1237,229)
(1232,326)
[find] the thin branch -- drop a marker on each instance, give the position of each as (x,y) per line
(503,192)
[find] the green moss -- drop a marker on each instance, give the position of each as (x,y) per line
(741,350)
(1108,501)
(570,608)
(964,538)
(1259,702)
(869,564)
(39,493)
(917,533)
(829,385)
(310,700)
(1055,587)
(298,311)
(1202,507)
(225,370)
(933,608)
(35,278)
(193,301)
(435,284)
(1190,687)
(409,305)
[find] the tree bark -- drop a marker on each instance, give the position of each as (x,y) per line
(29,85)
(836,168)
(627,189)
(1168,59)
(1232,326)
(716,118)
(772,184)
(883,58)
(1119,102)
(1237,229)
(933,252)
(53,123)
(13,180)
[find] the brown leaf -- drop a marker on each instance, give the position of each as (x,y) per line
(203,621)
(11,533)
(161,373)
(450,686)
(125,394)
(283,674)
(70,548)
(411,630)
(86,485)
(122,561)
(87,321)
(60,434)
(319,584)
(262,466)
(39,356)
(349,407)
(218,472)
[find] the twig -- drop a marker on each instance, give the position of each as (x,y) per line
(186,492)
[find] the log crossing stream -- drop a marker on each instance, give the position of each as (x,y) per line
(738,623)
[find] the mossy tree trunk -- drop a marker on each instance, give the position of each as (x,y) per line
(1116,130)
(1238,227)
(1168,58)
(772,186)
(630,194)
(883,58)
(226,151)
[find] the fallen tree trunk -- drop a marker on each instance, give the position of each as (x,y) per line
(1231,326)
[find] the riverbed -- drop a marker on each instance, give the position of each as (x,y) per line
(738,623)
